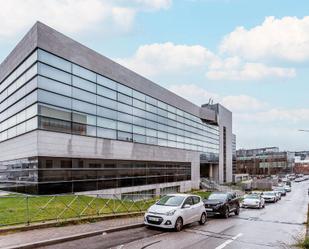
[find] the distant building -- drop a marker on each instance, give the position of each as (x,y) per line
(301,162)
(264,161)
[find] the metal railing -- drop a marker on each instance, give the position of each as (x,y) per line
(28,209)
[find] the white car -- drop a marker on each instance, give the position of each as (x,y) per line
(287,188)
(270,196)
(253,201)
(175,211)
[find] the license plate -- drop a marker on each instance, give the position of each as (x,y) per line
(153,219)
(209,209)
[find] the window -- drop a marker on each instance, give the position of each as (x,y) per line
(139,95)
(125,99)
(84,73)
(125,108)
(83,95)
(124,136)
(124,127)
(139,104)
(54,61)
(107,123)
(54,73)
(105,112)
(124,89)
(83,107)
(54,86)
(106,133)
(54,113)
(106,82)
(54,99)
(139,130)
(105,102)
(139,138)
(84,84)
(106,92)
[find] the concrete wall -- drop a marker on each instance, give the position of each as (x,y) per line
(225,120)
(52,144)
(19,147)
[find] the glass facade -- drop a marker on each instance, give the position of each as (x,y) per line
(50,93)
(45,175)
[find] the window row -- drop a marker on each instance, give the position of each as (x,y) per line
(6,83)
(127,123)
(90,78)
(126,114)
(124,133)
(20,117)
(19,129)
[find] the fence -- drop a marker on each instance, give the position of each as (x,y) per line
(27,209)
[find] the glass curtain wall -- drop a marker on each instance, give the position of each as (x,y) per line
(50,93)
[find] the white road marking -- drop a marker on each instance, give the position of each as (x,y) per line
(229,241)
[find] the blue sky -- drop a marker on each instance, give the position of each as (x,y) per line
(251,56)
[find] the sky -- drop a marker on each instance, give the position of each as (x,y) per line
(250,56)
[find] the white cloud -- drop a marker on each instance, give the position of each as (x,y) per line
(236,103)
(169,58)
(284,39)
(72,16)
(240,103)
(278,115)
(159,58)
(155,4)
(250,71)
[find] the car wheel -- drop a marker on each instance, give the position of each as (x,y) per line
(178,224)
(226,213)
(237,211)
(203,219)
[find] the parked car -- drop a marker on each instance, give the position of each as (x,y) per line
(270,196)
(300,179)
(281,190)
(278,193)
(221,203)
(287,188)
(253,201)
(175,211)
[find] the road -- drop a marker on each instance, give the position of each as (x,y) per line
(277,226)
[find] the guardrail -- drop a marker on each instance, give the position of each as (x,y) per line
(28,209)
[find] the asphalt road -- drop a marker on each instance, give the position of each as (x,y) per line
(277,226)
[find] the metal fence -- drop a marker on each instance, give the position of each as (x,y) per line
(28,209)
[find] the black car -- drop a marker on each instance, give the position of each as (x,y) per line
(221,203)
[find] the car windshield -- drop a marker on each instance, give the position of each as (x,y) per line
(252,197)
(171,200)
(217,196)
(269,193)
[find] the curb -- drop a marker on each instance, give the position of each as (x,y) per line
(73,237)
(73,221)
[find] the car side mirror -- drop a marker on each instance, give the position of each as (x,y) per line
(186,206)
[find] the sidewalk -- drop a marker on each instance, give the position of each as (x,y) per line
(38,235)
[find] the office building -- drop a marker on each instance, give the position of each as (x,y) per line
(72,120)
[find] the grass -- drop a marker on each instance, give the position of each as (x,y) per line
(13,210)
(304,244)
(20,209)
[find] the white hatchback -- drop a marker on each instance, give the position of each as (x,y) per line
(175,211)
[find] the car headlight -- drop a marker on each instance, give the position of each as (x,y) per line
(170,213)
